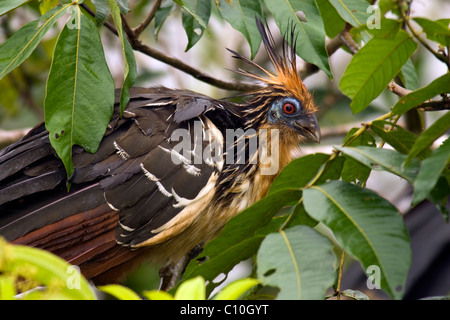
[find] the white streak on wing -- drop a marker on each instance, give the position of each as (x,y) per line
(122,153)
(177,155)
(148,174)
(124,227)
(109,204)
(181,202)
(163,190)
(130,113)
(155,104)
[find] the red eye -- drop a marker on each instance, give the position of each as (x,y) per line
(288,108)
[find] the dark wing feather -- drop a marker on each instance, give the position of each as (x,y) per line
(120,194)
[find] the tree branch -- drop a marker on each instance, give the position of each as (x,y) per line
(440,105)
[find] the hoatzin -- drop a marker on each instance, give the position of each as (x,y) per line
(140,196)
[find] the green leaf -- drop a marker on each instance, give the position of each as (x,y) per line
(236,289)
(367,226)
(430,170)
(332,21)
(130,72)
(46,5)
(187,6)
(310,35)
(240,238)
(424,141)
(299,261)
(157,295)
(382,159)
(436,30)
(23,42)
(415,98)
(80,90)
(192,289)
(61,280)
(353,170)
(373,67)
(119,292)
(299,172)
(101,11)
(161,15)
(241,16)
(398,137)
(194,30)
(353,11)
(409,76)
(9,5)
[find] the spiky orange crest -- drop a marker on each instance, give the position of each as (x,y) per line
(286,77)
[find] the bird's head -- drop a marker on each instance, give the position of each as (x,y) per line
(283,102)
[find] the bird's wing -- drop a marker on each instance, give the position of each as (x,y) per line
(126,193)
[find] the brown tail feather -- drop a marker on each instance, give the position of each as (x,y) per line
(86,239)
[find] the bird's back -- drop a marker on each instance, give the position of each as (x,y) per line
(138,191)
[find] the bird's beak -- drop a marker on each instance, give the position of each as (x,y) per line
(308,127)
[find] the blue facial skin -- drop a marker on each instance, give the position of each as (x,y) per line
(290,112)
(277,114)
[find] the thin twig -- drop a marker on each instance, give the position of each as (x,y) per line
(140,28)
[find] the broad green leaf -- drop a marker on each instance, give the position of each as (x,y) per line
(119,292)
(382,159)
(333,23)
(46,5)
(310,35)
(430,170)
(157,295)
(424,141)
(187,6)
(8,5)
(194,30)
(240,238)
(373,67)
(353,170)
(129,62)
(398,137)
(241,14)
(299,261)
(367,226)
(62,280)
(80,91)
(236,289)
(355,12)
(409,76)
(101,11)
(436,30)
(299,172)
(23,42)
(161,15)
(415,98)
(192,289)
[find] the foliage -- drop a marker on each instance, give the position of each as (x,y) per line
(319,207)
(28,273)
